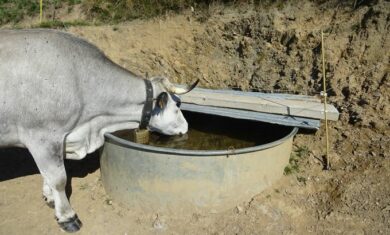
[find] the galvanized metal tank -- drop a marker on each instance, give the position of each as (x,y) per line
(164,180)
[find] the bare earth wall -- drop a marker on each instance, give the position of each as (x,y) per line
(262,49)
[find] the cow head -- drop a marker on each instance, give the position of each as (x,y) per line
(166,115)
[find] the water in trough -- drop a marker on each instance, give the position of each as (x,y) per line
(208,132)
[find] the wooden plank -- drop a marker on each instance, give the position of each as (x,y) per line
(263,95)
(291,107)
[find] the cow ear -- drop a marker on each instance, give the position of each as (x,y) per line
(162,100)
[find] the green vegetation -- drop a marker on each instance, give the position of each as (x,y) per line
(61,24)
(13,11)
(296,156)
(113,11)
(122,10)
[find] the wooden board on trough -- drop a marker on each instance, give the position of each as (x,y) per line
(290,105)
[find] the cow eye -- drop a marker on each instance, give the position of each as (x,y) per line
(178,104)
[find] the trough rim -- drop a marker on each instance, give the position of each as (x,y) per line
(110,138)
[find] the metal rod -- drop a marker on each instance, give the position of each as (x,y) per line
(40,11)
(327,166)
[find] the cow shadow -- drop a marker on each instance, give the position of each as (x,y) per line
(15,163)
(18,162)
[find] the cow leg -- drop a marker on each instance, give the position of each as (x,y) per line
(50,161)
(48,194)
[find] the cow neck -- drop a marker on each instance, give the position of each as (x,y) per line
(148,106)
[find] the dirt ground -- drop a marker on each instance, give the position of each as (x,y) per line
(276,49)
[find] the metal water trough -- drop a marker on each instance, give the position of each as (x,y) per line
(155,179)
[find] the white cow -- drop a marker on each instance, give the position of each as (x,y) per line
(59,95)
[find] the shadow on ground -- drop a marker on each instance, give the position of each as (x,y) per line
(18,162)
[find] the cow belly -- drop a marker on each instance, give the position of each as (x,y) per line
(90,136)
(7,141)
(9,136)
(81,141)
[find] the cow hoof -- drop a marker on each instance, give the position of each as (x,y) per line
(49,203)
(71,226)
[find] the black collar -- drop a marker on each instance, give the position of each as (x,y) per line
(148,106)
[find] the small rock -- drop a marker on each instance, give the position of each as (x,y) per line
(290,17)
(387,208)
(195,217)
(239,209)
(157,223)
(377,94)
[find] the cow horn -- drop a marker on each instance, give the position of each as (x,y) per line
(178,90)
